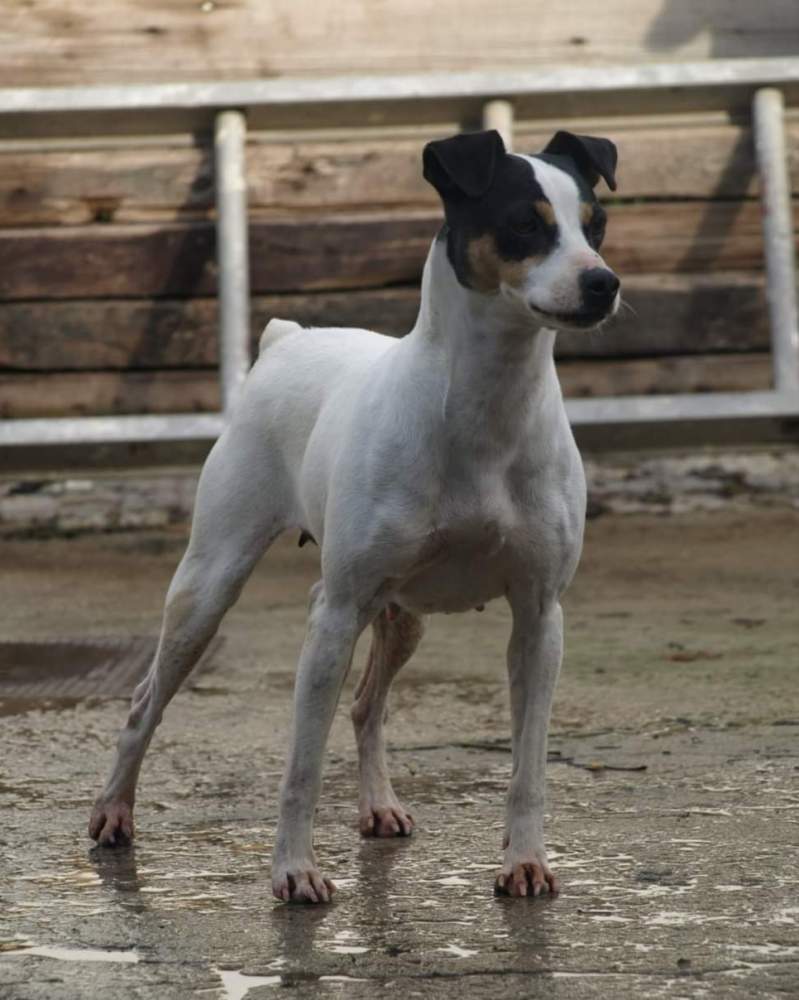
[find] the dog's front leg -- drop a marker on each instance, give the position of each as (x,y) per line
(534,656)
(324,662)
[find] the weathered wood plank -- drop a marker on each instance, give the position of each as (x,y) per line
(679,314)
(64,41)
(90,184)
(99,261)
(668,314)
(84,393)
(675,374)
(128,183)
(92,393)
(342,251)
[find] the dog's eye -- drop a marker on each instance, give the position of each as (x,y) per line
(524,222)
(595,230)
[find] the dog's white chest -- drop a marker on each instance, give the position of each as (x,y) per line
(463,564)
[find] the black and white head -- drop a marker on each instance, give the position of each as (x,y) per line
(529,228)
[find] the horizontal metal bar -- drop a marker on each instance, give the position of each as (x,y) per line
(581,412)
(298,103)
(107,430)
(683,407)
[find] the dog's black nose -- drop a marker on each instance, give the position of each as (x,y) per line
(599,286)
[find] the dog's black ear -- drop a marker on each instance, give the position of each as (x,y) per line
(594,157)
(464,164)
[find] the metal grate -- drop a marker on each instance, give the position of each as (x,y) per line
(81,668)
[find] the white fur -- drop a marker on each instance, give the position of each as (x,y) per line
(436,472)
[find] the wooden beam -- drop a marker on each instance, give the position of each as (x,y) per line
(666,314)
(88,393)
(666,375)
(101,261)
(125,41)
(51,185)
(342,251)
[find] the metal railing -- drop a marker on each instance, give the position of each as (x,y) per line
(741,86)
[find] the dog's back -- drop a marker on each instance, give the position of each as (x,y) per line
(298,370)
(305,365)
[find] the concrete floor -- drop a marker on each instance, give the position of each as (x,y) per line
(680,880)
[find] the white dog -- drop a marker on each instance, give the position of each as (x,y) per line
(437,472)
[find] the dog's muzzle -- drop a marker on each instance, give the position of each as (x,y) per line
(599,292)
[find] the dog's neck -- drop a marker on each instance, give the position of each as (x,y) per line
(499,363)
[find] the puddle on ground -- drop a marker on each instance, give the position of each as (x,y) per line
(458,951)
(342,979)
(675,918)
(346,942)
(74,954)
(771,949)
(786,915)
(237,986)
(451,880)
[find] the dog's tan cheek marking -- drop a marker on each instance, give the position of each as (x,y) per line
(484,263)
(586,212)
(546,212)
(514,272)
(488,270)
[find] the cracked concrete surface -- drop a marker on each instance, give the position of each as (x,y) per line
(680,879)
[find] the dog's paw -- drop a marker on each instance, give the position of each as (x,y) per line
(526,878)
(390,821)
(301,884)
(111,823)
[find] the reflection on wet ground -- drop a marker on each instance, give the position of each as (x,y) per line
(189,911)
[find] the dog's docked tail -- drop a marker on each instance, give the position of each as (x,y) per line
(275,330)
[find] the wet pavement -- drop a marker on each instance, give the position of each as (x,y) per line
(673,790)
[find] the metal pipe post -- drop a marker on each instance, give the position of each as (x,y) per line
(232,254)
(775,194)
(499,115)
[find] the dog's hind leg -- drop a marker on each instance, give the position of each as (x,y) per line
(394,640)
(242,506)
